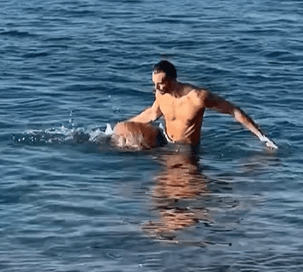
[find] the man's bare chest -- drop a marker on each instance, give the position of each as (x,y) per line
(183,108)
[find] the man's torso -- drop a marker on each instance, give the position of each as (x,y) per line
(183,114)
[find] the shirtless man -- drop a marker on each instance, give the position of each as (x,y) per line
(182,106)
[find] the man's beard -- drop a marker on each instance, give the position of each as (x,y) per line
(161,92)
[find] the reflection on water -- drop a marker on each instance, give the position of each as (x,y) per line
(177,195)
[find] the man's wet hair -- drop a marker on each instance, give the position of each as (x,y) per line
(167,68)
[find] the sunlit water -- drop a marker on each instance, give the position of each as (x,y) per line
(68,203)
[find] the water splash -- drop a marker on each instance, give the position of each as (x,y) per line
(63,135)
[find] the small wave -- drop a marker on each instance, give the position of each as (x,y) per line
(16,33)
(35,55)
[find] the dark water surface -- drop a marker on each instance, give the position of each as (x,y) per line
(68,67)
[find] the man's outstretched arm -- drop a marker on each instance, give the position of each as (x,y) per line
(149,115)
(218,103)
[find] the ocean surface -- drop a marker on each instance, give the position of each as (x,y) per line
(67,203)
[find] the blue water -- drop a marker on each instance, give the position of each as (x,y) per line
(69,67)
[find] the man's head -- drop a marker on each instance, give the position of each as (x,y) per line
(167,68)
(163,74)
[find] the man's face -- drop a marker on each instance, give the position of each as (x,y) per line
(161,82)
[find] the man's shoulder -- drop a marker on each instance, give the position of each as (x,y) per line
(190,87)
(197,92)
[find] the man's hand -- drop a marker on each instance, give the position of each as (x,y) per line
(268,142)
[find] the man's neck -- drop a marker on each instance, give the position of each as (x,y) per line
(176,89)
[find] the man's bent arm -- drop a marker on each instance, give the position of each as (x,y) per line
(149,115)
(221,105)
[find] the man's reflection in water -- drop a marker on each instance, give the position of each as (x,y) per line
(179,194)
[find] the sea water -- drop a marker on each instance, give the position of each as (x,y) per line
(67,203)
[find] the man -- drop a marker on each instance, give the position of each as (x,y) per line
(182,106)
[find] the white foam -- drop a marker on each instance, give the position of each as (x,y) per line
(108,130)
